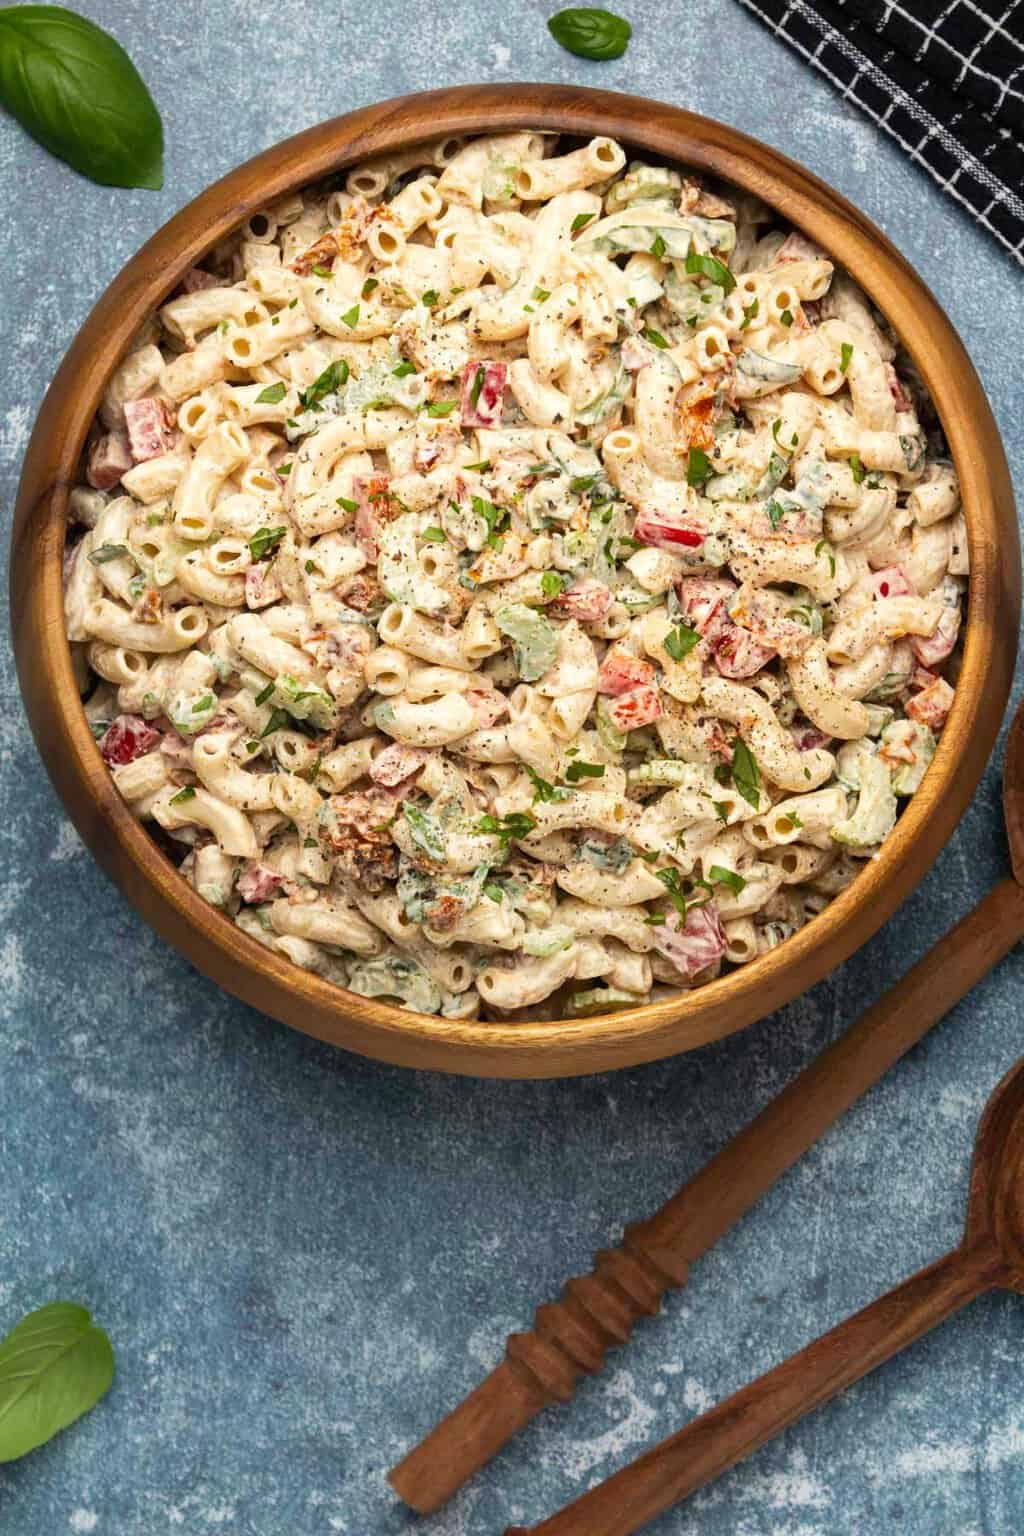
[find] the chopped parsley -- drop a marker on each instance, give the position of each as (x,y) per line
(496,518)
(206,702)
(786,317)
(746,775)
(658,247)
(478,384)
(729,877)
(672,881)
(552,583)
(517,824)
(351,317)
(856,467)
(347,504)
(845,354)
(368,287)
(323,271)
(441,407)
(430,298)
(775,512)
(580,222)
(264,694)
(434,536)
(403,370)
(750,313)
(655,338)
(108,552)
(188,793)
(542,790)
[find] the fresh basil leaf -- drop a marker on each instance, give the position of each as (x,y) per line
(434,536)
(347,504)
(351,317)
(698,467)
(775,512)
(517,824)
(577,771)
(710,267)
(655,338)
(75,90)
(672,881)
(272,395)
(54,1366)
(727,877)
(264,540)
(542,790)
(590,32)
(441,407)
(425,831)
(108,552)
(746,775)
(264,694)
(188,793)
(333,378)
(403,370)
(368,287)
(679,642)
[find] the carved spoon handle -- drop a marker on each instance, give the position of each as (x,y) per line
(599,1310)
(734,1429)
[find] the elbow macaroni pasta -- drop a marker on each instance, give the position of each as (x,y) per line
(515,582)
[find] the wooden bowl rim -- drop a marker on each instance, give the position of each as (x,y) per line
(560,1047)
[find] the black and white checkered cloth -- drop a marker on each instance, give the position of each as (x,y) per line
(944,77)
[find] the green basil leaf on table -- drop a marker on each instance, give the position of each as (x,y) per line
(54,1366)
(590,32)
(75,90)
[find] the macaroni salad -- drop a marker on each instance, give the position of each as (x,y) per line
(516,572)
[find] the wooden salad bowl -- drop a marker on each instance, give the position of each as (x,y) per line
(560,1047)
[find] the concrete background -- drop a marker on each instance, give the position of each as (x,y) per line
(304,1258)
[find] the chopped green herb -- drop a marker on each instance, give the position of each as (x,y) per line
(264,540)
(746,775)
(542,790)
(430,298)
(441,407)
(710,267)
(478,384)
(518,824)
(272,395)
(578,770)
(727,877)
(658,247)
(655,338)
(582,483)
(310,567)
(786,318)
(721,810)
(368,287)
(856,467)
(775,512)
(480,467)
(434,536)
(672,881)
(845,354)
(580,222)
(655,919)
(351,317)
(823,545)
(108,552)
(698,467)
(679,642)
(188,793)
(347,504)
(540,294)
(322,271)
(403,370)
(280,720)
(333,378)
(493,892)
(206,702)
(750,313)
(552,583)
(425,831)
(264,694)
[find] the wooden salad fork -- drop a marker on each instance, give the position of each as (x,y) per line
(990,1256)
(598,1311)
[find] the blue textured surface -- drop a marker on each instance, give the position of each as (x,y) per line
(304,1258)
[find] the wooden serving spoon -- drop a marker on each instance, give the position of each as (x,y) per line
(991,1255)
(598,1311)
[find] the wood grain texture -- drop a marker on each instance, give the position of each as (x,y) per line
(598,1312)
(992,1254)
(306,1002)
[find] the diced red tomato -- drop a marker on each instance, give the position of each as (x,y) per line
(931,706)
(621,670)
(488,706)
(126,738)
(110,457)
(483,394)
(693,945)
(258,882)
(375,508)
(933,648)
(396,764)
(588,601)
(640,706)
(659,530)
(151,429)
(893,581)
(808,738)
(738,654)
(704,600)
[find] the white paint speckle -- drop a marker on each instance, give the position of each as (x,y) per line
(83,1520)
(68,845)
(500,55)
